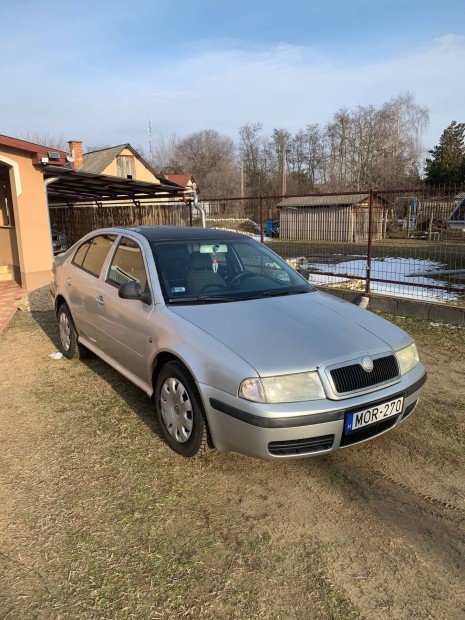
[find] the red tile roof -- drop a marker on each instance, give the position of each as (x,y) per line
(180,179)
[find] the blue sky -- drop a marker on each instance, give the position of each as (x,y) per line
(100,70)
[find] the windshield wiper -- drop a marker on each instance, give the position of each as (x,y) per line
(207,299)
(278,293)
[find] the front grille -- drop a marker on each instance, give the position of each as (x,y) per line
(354,377)
(295,447)
(367,432)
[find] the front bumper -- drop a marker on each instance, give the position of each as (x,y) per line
(297,430)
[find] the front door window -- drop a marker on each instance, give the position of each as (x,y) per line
(127,265)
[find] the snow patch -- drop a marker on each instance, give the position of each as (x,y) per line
(398,269)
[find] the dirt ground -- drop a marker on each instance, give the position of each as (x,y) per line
(99,520)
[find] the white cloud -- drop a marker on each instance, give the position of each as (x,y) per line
(281,86)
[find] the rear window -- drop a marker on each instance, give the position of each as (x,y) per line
(92,254)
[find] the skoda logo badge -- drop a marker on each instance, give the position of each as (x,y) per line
(367,364)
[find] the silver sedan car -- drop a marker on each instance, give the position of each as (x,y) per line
(237,349)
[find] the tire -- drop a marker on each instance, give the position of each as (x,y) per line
(180,412)
(69,345)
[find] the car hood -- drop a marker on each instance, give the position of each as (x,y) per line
(295,333)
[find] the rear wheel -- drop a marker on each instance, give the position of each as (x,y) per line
(69,345)
(180,411)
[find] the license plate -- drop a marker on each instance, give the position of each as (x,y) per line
(371,415)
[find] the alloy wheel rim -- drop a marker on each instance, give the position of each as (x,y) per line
(65,332)
(176,410)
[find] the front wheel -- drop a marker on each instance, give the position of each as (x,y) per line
(179,411)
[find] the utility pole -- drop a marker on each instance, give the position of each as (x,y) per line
(242,178)
(283,160)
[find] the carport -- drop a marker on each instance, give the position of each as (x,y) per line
(66,186)
(80,202)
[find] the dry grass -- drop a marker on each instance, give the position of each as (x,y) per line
(100,520)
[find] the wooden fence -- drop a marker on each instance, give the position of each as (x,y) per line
(76,221)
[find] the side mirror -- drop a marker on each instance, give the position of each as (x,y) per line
(132,290)
(304,273)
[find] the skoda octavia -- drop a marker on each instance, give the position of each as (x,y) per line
(237,349)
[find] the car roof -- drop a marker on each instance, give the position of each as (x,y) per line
(177,233)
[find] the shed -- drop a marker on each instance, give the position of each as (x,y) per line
(338,217)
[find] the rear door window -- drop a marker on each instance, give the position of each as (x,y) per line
(91,255)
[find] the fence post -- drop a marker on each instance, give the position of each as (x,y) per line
(260,217)
(430,226)
(370,237)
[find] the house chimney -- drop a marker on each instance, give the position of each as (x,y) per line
(75,149)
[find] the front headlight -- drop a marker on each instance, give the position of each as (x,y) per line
(283,389)
(407,358)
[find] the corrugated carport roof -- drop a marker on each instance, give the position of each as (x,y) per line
(77,186)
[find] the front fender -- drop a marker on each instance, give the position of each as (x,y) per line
(209,361)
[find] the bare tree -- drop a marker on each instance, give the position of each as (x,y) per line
(313,145)
(298,177)
(45,138)
(403,122)
(279,149)
(222,180)
(162,152)
(337,133)
(360,148)
(90,148)
(251,153)
(376,147)
(211,158)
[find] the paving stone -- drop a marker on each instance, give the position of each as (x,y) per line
(10,293)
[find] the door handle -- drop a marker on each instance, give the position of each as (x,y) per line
(100,301)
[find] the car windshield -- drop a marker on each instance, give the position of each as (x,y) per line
(223,270)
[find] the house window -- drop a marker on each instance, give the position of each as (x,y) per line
(125,166)
(6,203)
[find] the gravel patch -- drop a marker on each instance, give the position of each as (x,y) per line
(38,300)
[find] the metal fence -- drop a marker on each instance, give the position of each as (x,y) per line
(402,243)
